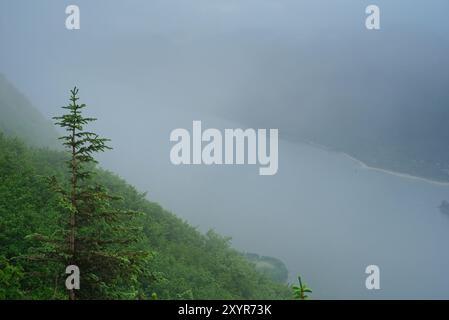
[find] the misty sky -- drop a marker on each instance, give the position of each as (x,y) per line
(147,67)
(243,59)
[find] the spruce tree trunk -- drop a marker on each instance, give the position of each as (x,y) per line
(72,212)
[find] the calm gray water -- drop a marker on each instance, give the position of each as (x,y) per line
(323,214)
(147,69)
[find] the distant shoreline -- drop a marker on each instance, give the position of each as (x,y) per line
(363,165)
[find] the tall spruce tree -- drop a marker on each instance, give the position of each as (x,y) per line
(99,239)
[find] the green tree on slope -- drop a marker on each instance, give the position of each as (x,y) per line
(97,238)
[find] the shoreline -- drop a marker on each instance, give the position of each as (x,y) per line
(365,166)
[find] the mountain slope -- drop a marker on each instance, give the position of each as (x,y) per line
(186,264)
(19,118)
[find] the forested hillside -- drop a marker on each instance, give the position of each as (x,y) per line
(181,262)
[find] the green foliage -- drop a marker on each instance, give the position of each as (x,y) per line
(184,263)
(10,277)
(96,237)
(183,259)
(273,268)
(299,292)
